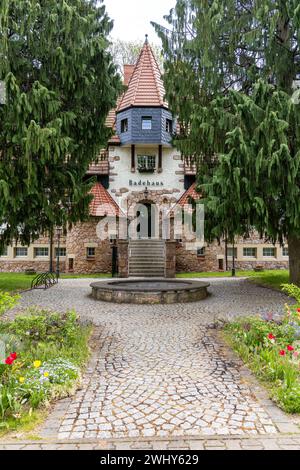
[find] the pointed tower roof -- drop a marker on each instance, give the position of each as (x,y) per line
(145,87)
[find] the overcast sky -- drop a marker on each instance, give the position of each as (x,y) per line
(132,17)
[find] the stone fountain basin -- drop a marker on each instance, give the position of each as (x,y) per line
(150,291)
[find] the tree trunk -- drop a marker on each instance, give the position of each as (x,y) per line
(294,255)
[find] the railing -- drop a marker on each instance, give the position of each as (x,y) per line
(44,281)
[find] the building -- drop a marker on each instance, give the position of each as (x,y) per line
(140,166)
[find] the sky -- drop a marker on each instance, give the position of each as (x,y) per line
(132,17)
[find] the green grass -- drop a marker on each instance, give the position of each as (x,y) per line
(14,282)
(268,278)
(215,274)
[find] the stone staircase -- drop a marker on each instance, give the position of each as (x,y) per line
(147,258)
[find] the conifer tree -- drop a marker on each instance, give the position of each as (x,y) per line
(60,83)
(231,67)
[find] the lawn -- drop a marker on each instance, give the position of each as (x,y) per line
(14,282)
(269,278)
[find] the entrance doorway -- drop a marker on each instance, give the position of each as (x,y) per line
(146,224)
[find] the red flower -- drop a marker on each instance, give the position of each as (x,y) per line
(290,348)
(298,310)
(9,360)
(270,336)
(282,352)
(13,356)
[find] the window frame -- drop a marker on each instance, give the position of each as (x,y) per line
(285,248)
(21,248)
(201,252)
(88,255)
(5,253)
(230,252)
(61,248)
(35,248)
(274,255)
(124,125)
(144,120)
(148,168)
(169,126)
(247,255)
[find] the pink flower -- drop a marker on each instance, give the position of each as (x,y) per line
(282,352)
(296,354)
(271,337)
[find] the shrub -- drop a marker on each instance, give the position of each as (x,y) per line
(7,301)
(42,325)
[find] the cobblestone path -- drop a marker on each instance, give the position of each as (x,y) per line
(162,371)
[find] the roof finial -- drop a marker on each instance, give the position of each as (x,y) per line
(146,39)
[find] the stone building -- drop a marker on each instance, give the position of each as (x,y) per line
(141,167)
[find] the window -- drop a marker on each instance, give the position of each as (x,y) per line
(90,252)
(41,252)
(146,123)
(201,251)
(62,252)
(230,252)
(285,251)
(124,125)
(146,163)
(21,252)
(249,252)
(4,251)
(169,126)
(269,252)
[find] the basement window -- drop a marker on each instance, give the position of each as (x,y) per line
(200,252)
(90,253)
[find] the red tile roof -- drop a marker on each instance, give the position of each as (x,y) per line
(145,87)
(103,204)
(191,193)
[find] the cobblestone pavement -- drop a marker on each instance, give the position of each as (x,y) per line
(195,444)
(162,371)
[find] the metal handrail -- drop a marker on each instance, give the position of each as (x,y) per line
(44,281)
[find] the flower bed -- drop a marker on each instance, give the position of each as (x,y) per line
(271,348)
(45,354)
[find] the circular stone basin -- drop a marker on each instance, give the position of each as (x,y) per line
(152,291)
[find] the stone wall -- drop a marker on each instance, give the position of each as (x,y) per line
(189,261)
(20,266)
(82,236)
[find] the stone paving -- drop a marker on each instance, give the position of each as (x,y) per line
(163,371)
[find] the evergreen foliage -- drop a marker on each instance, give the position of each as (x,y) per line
(61,83)
(230,70)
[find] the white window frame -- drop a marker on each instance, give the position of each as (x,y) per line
(249,256)
(21,248)
(270,248)
(35,248)
(148,120)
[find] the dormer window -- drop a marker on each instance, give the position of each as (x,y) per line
(169,126)
(146,123)
(124,126)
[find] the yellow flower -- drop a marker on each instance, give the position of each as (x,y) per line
(22,380)
(37,364)
(46,374)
